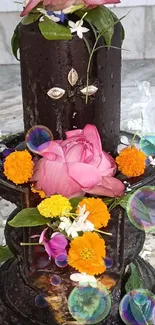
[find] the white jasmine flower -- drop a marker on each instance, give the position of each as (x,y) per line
(77,28)
(49,16)
(80,224)
(84,278)
(65,224)
(152,160)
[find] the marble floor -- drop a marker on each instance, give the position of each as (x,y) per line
(138,103)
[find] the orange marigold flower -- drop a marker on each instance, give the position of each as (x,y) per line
(131,162)
(18,167)
(87,253)
(40,192)
(99,214)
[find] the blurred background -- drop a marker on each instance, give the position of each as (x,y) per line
(138,80)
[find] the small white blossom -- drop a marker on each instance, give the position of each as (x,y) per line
(80,224)
(152,160)
(51,17)
(84,278)
(78,28)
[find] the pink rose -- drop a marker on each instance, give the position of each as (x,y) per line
(55,4)
(76,165)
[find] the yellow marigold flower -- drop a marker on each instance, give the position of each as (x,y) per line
(99,214)
(40,192)
(131,162)
(18,167)
(54,206)
(86,254)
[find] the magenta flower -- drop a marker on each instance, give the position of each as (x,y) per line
(56,245)
(76,166)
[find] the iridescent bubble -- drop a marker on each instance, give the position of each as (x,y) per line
(147,144)
(61,260)
(141,208)
(89,305)
(55,280)
(37,136)
(137,308)
(108,262)
(40,301)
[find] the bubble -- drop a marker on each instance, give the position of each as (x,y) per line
(141,208)
(36,136)
(40,301)
(140,299)
(108,262)
(61,260)
(55,280)
(137,308)
(147,144)
(89,305)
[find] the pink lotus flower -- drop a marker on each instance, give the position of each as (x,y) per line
(56,245)
(54,4)
(62,4)
(76,165)
(100,2)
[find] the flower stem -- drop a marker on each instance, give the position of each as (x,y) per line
(30,244)
(133,139)
(103,232)
(89,64)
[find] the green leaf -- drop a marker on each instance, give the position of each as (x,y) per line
(135,281)
(107,200)
(146,272)
(5,253)
(53,31)
(123,201)
(123,30)
(15,42)
(30,18)
(29,217)
(75,201)
(103,20)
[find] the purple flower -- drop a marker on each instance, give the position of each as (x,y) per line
(56,245)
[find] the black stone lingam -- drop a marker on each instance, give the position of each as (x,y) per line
(44,65)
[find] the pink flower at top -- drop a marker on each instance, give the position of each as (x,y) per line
(54,4)
(76,165)
(62,4)
(100,2)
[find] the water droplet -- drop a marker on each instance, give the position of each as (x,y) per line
(55,280)
(89,305)
(61,260)
(137,307)
(36,136)
(108,262)
(40,301)
(141,208)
